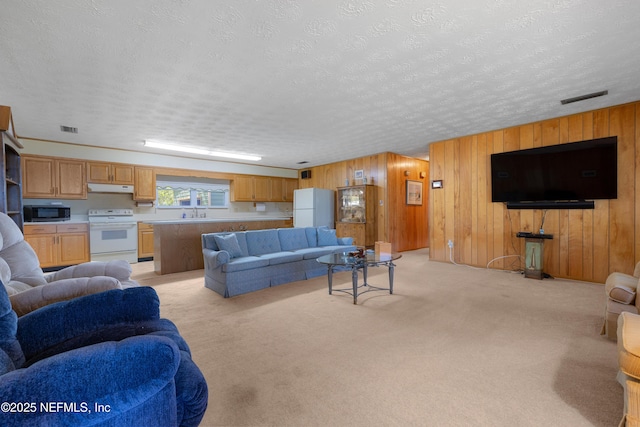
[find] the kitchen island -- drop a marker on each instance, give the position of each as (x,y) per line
(177,244)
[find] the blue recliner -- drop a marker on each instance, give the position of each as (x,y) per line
(105,359)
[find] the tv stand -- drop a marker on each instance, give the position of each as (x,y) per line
(534,254)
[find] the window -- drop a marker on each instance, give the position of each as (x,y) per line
(178,192)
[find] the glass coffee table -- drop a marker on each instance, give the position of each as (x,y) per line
(345,260)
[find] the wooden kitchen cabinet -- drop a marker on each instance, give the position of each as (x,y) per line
(144,187)
(282,189)
(53,178)
(277,190)
(59,245)
(290,185)
(262,188)
(145,240)
(242,189)
(110,173)
(246,188)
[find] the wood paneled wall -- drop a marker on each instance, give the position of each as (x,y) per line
(587,244)
(408,224)
(404,226)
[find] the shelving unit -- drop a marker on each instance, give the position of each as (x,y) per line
(356,214)
(11,176)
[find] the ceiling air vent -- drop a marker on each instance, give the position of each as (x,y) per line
(583,97)
(68,129)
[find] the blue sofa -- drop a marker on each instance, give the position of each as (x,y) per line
(105,359)
(242,262)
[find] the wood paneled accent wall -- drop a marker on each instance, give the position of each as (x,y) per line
(408,224)
(404,226)
(587,244)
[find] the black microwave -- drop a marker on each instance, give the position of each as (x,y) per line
(42,213)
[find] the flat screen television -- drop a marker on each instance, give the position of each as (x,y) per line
(562,176)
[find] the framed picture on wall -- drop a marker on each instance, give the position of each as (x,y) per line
(359,174)
(414,192)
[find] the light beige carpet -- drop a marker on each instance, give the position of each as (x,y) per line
(453,346)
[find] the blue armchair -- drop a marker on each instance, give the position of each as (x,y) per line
(104,359)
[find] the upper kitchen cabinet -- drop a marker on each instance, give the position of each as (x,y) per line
(110,173)
(277,190)
(144,187)
(245,188)
(53,178)
(282,189)
(289,186)
(10,176)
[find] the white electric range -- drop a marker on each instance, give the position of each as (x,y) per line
(113,234)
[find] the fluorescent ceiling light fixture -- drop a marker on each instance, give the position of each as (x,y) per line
(173,147)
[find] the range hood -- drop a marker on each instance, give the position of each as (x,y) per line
(110,188)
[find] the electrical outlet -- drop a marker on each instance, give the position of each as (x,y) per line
(450,243)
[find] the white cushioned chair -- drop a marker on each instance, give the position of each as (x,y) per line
(620,289)
(629,363)
(30,288)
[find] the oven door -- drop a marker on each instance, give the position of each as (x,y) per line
(113,237)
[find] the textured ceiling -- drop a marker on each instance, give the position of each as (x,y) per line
(308,80)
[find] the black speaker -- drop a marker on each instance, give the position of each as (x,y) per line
(305,174)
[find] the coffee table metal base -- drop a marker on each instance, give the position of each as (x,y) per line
(357,289)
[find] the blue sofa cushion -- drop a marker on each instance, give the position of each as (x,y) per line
(244,263)
(292,239)
(114,332)
(312,236)
(327,237)
(209,242)
(313,253)
(229,243)
(64,320)
(282,257)
(260,242)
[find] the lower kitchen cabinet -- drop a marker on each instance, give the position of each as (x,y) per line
(145,241)
(59,245)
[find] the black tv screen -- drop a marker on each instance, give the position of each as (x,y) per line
(578,171)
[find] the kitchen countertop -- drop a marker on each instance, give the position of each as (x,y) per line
(200,220)
(57,222)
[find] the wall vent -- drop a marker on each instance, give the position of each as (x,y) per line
(68,129)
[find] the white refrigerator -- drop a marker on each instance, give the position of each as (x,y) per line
(313,207)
